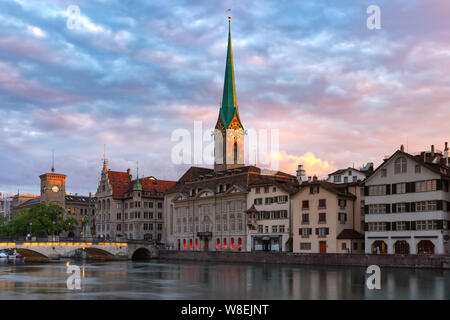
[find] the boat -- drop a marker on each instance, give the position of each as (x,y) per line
(10,255)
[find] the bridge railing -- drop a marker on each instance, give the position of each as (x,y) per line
(73,239)
(56,239)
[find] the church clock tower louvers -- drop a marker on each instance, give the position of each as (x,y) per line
(229,136)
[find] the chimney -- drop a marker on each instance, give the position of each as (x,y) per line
(402,148)
(301,174)
(446,154)
(432,151)
(315,178)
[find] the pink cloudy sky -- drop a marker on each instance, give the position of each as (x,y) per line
(339,94)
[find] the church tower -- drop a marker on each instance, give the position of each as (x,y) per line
(229,131)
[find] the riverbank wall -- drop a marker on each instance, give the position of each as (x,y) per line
(327,259)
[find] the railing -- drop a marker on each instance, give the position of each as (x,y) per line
(57,239)
(78,240)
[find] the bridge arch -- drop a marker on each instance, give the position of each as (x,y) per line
(141,254)
(30,255)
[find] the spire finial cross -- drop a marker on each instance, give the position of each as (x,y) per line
(229,15)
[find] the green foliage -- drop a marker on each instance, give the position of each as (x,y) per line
(41,217)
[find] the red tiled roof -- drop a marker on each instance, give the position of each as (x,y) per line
(152,185)
(120,182)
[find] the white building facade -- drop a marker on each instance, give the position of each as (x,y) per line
(407,204)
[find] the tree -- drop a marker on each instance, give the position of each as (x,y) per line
(45,219)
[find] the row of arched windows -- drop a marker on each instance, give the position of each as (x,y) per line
(224,244)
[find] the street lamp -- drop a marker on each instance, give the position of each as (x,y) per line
(31,223)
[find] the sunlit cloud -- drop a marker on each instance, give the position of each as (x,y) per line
(339,94)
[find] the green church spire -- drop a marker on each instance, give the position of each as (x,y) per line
(137,185)
(229,105)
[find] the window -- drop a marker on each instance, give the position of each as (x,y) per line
(322,232)
(266,229)
(322,217)
(342,217)
(322,203)
(345,179)
(344,246)
(337,179)
(119,216)
(355,178)
(383,172)
(426,205)
(342,203)
(305,204)
(282,199)
(379,190)
(400,165)
(400,225)
(400,207)
(305,246)
(400,188)
(377,208)
(314,189)
(417,168)
(305,232)
(305,218)
(377,226)
(260,228)
(269,200)
(258,190)
(266,189)
(355,246)
(274,229)
(274,189)
(281,228)
(258,201)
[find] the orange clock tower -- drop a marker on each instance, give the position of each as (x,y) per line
(53,188)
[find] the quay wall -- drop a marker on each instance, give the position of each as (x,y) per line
(331,259)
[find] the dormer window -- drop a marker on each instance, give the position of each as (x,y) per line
(400,165)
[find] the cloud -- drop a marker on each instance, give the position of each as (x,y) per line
(337,92)
(313,165)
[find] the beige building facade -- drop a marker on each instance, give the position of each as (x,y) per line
(130,209)
(269,217)
(327,218)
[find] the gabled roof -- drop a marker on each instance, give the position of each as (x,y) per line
(337,189)
(79,199)
(434,167)
(209,179)
(350,234)
(340,171)
(288,184)
(121,184)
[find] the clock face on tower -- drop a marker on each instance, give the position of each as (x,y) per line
(55,189)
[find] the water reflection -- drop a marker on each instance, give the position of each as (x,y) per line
(193,280)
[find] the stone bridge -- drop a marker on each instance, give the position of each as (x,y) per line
(36,250)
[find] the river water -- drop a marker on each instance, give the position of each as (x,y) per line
(161,279)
